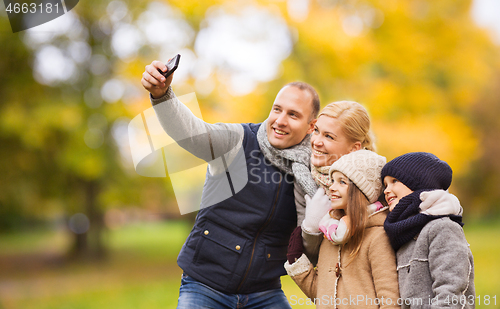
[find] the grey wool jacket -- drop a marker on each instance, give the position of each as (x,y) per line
(436,268)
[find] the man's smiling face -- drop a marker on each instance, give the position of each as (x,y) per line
(290,119)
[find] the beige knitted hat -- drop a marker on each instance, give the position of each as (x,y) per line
(363,168)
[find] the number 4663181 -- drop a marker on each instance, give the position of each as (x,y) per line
(33,8)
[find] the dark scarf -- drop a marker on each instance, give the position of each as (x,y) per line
(405,221)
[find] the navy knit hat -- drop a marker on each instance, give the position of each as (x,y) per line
(419,171)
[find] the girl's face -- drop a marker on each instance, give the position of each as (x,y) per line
(329,143)
(394,191)
(338,190)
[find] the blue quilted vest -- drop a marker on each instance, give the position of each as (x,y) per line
(239,245)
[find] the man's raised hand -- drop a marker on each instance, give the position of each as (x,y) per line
(153,81)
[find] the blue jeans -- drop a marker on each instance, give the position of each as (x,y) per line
(196,295)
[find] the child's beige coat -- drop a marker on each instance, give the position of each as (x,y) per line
(370,279)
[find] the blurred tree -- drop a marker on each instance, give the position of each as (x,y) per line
(23,164)
(481,184)
(61,129)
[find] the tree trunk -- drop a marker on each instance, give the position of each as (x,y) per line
(89,245)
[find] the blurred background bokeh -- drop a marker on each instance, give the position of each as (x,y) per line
(79,228)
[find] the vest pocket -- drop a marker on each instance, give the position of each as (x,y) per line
(272,266)
(218,248)
(276,253)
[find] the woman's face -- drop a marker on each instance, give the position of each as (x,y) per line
(329,143)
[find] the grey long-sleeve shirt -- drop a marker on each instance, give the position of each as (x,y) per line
(204,140)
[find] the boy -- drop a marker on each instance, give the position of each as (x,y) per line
(435,264)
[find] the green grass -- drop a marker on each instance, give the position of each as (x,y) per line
(32,241)
(152,241)
(141,270)
(484,240)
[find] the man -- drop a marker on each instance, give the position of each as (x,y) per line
(235,252)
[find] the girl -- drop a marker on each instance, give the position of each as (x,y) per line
(356,266)
(435,264)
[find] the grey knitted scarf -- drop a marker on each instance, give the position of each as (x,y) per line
(293,161)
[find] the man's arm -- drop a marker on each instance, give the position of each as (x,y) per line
(205,141)
(300,202)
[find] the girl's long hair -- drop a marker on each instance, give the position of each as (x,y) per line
(357,211)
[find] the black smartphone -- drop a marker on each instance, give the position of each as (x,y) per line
(171,66)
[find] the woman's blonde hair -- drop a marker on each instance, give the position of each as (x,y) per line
(354,120)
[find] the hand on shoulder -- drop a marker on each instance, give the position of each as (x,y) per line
(440,203)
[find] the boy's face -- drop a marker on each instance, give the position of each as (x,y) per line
(290,118)
(394,191)
(338,190)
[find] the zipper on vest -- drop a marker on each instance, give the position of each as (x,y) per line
(257,236)
(228,175)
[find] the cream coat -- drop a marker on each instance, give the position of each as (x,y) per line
(370,279)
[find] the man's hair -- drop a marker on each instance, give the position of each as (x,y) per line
(315,97)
